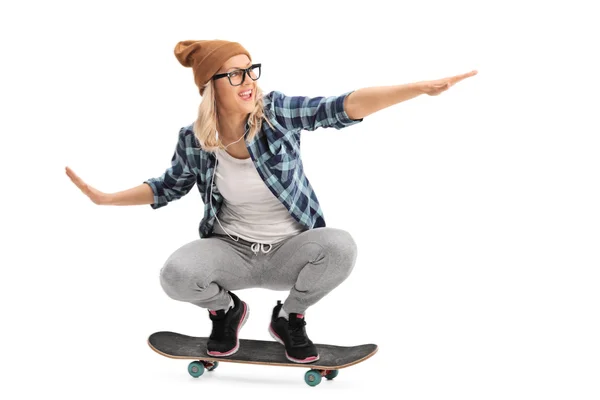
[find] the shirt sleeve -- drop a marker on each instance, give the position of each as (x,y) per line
(178,179)
(309,113)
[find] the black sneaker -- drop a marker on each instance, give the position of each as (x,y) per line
(292,334)
(223,340)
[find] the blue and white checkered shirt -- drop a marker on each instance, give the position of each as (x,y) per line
(275,153)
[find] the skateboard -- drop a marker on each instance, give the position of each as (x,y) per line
(331,358)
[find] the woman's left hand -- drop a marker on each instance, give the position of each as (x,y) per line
(433,88)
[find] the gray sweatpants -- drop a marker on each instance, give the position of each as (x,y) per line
(311,264)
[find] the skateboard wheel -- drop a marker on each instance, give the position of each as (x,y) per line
(213,366)
(312,377)
(332,374)
(196,369)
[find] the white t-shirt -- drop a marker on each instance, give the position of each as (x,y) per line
(250,210)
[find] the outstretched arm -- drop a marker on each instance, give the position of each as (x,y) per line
(366,101)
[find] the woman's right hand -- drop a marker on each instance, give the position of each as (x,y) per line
(95,195)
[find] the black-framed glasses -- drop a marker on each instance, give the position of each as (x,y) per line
(237,77)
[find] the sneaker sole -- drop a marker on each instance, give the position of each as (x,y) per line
(292,359)
(237,345)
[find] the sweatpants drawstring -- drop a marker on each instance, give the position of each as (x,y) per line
(260,246)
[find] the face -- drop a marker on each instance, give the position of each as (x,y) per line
(227,96)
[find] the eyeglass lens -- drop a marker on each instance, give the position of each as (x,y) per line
(235,77)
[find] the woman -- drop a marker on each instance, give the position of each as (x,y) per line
(262,225)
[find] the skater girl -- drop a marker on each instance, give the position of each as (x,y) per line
(263,226)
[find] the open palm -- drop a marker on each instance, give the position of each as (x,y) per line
(433,88)
(95,195)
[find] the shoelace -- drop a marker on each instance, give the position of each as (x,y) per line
(221,330)
(260,246)
(297,333)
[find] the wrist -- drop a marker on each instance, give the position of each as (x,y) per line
(418,87)
(106,199)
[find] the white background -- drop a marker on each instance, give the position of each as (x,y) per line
(475,212)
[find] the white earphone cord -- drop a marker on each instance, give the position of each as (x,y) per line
(254,249)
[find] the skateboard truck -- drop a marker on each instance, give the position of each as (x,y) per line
(312,377)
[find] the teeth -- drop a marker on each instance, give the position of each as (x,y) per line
(246,93)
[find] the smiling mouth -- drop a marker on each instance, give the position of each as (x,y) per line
(247,94)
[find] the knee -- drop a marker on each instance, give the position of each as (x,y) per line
(178,281)
(170,273)
(340,245)
(171,278)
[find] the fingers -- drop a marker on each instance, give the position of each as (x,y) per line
(72,175)
(453,79)
(436,87)
(75,179)
(459,78)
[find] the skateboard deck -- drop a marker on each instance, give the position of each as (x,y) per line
(331,358)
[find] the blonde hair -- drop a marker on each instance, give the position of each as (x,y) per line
(205,126)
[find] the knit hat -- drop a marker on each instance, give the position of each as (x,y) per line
(205,57)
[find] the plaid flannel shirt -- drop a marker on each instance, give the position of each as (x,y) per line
(275,154)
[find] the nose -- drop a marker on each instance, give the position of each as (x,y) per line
(247,80)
